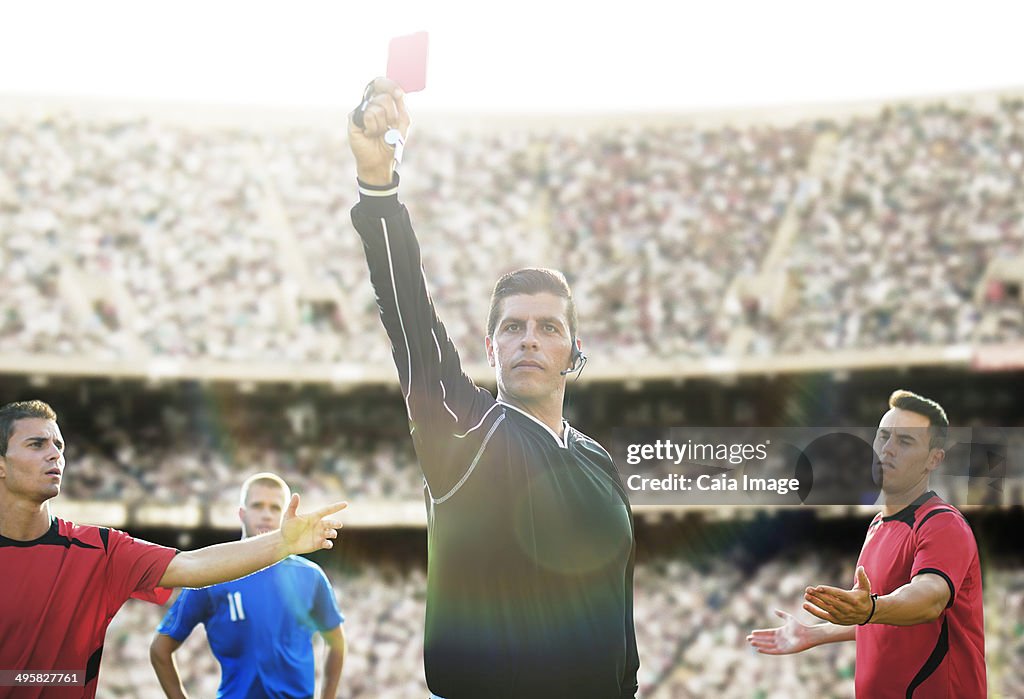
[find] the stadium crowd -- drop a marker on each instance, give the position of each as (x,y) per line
(901,228)
(140,239)
(657,222)
(171,451)
(691,621)
(126,239)
(140,445)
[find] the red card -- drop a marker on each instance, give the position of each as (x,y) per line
(407,61)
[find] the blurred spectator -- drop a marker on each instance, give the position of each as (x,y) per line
(134,239)
(691,622)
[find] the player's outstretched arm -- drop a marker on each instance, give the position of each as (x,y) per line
(161,655)
(335,661)
(921,600)
(223,562)
(794,637)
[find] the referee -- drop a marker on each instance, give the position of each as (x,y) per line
(530,533)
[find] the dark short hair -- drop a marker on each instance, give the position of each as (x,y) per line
(938,423)
(529,281)
(12,412)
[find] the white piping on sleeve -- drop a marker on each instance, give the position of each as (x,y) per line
(436,344)
(464,434)
(398,310)
(444,393)
(476,459)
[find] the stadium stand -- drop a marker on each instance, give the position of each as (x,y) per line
(692,618)
(192,299)
(913,209)
(189,444)
(175,242)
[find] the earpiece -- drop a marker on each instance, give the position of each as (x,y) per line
(577,360)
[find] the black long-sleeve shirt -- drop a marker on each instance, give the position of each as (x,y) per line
(530,534)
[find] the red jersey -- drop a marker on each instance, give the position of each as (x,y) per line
(941,658)
(58,594)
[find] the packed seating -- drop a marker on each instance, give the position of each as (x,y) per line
(907,217)
(691,618)
(137,238)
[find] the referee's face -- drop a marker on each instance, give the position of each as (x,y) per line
(33,467)
(531,345)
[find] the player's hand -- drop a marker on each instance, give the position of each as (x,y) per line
(309,532)
(791,637)
(375,158)
(843,607)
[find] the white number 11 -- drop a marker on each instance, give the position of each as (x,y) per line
(235,606)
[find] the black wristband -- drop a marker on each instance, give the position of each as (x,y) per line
(873,598)
(380,189)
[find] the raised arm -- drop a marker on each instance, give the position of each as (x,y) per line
(223,562)
(441,400)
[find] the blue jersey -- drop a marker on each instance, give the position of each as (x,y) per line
(260,627)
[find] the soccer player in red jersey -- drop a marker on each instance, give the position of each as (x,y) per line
(915,609)
(62,583)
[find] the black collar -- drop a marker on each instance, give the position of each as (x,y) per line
(47,538)
(53,537)
(906,515)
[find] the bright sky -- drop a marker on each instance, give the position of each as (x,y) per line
(514,56)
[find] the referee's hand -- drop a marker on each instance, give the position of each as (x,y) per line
(312,531)
(386,110)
